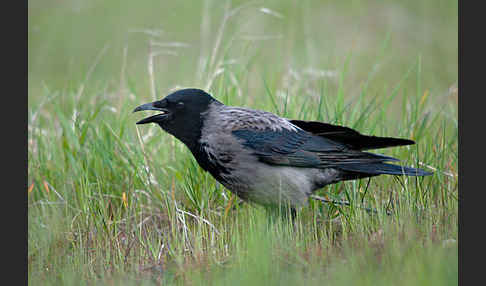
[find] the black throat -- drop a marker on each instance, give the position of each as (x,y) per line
(188,134)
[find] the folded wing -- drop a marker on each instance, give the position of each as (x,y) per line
(331,147)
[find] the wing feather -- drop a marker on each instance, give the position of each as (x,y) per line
(302,149)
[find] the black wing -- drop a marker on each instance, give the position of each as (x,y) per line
(349,137)
(303,149)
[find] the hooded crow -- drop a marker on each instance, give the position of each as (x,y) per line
(267,159)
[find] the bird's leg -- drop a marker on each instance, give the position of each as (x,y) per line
(366,190)
(288,211)
(281,212)
(293,214)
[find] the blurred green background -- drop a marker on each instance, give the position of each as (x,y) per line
(67,40)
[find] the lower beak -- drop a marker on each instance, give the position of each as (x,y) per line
(153,118)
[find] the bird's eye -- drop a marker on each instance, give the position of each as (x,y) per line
(180,104)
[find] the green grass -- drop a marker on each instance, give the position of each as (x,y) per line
(113,203)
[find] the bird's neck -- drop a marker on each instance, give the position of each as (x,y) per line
(189,135)
(208,161)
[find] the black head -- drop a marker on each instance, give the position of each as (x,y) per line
(180,113)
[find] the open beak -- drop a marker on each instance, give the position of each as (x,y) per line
(153,106)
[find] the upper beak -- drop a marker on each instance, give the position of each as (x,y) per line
(152,106)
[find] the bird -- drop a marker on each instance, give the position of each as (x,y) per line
(267,159)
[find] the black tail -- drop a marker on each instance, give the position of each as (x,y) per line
(384,168)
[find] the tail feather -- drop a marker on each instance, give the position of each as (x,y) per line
(384,168)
